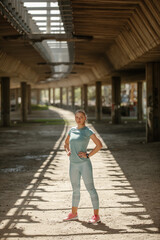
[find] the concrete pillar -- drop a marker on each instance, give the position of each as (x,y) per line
(139,101)
(53,96)
(12,98)
(29,98)
(67,96)
(153,101)
(16,98)
(116,100)
(24,102)
(38,96)
(49,96)
(61,96)
(98,101)
(5,101)
(73,97)
(0,95)
(84,97)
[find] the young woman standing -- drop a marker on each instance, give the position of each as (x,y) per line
(80,165)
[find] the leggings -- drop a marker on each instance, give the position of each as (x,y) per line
(85,170)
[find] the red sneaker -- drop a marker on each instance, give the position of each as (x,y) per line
(71,217)
(95,219)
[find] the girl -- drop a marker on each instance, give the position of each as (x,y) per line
(80,165)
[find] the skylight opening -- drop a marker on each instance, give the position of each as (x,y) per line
(42,28)
(54,4)
(36,4)
(50,41)
(39,18)
(55,12)
(57,28)
(47,17)
(56,18)
(55,24)
(41,23)
(60,46)
(37,12)
(58,32)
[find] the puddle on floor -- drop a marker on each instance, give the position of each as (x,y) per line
(36,157)
(10,131)
(18,168)
(50,133)
(14,131)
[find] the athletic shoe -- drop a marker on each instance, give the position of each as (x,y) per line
(95,219)
(71,217)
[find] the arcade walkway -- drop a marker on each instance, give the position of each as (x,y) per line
(36,192)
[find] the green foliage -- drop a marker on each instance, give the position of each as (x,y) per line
(39,107)
(91,93)
(49,121)
(77,95)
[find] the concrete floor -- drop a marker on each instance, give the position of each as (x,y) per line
(35,191)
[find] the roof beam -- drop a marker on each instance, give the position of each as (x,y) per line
(50,1)
(51,15)
(50,36)
(54,1)
(55,21)
(52,26)
(58,37)
(47,8)
(60,63)
(58,27)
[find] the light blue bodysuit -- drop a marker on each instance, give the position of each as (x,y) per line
(79,139)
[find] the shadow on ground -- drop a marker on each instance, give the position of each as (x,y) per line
(140,171)
(26,152)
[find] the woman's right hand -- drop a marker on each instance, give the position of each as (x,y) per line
(68,153)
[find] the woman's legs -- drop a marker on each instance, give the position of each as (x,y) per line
(87,176)
(74,210)
(96,211)
(75,176)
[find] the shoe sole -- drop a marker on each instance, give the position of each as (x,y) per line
(99,221)
(72,219)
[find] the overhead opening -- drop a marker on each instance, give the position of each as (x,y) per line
(47,16)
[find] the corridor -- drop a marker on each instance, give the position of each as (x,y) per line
(36,192)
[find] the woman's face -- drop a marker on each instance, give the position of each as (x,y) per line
(80,118)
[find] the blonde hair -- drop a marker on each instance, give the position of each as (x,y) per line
(81,111)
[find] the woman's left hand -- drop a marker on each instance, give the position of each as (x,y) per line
(82,154)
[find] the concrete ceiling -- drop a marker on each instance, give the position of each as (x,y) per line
(18,57)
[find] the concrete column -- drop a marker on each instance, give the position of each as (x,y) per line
(153,102)
(24,102)
(67,96)
(53,96)
(84,97)
(61,96)
(16,97)
(29,98)
(139,102)
(116,100)
(38,96)
(73,97)
(98,101)
(5,101)
(0,94)
(49,96)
